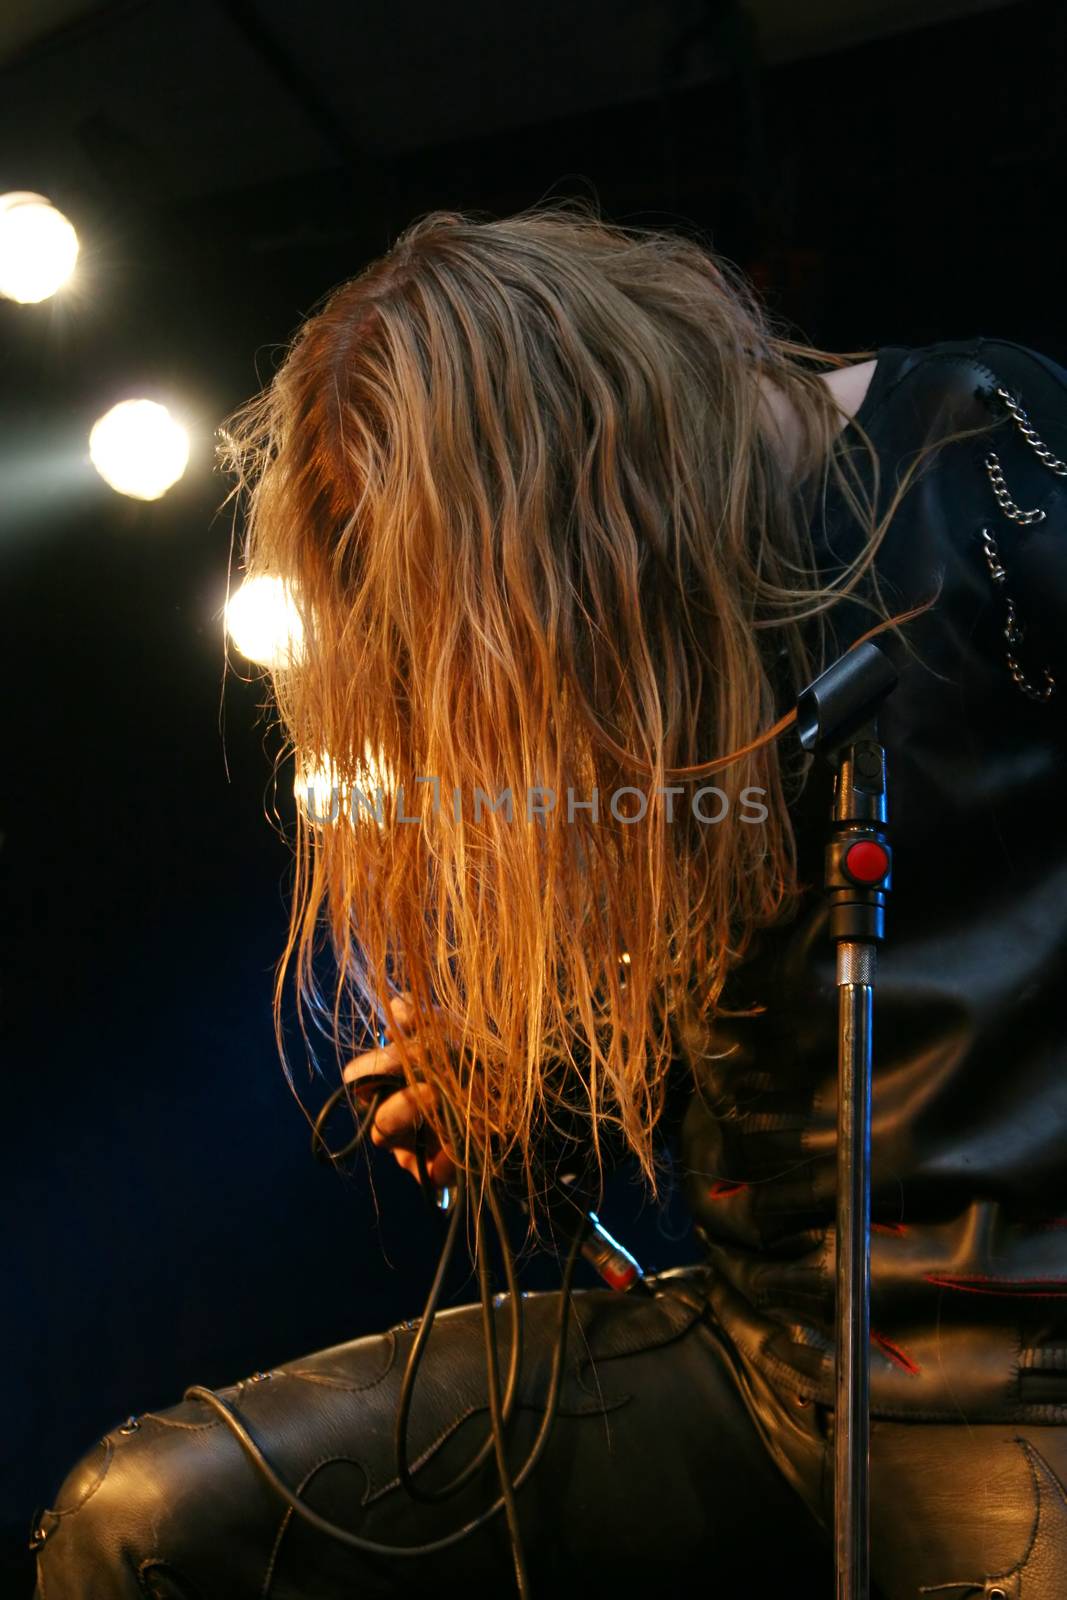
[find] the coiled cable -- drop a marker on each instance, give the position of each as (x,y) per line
(501,1407)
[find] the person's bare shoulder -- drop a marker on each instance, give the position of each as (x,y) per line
(849,385)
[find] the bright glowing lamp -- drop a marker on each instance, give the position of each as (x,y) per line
(139,449)
(38,247)
(325,797)
(263,621)
(319,791)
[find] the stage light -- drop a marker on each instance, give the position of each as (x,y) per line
(38,247)
(318,790)
(139,449)
(325,797)
(264,623)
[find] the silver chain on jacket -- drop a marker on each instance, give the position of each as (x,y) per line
(1014,628)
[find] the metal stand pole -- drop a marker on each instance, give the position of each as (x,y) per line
(855,979)
(834,716)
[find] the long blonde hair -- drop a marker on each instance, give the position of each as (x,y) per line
(545,538)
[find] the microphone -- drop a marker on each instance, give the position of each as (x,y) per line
(610,1259)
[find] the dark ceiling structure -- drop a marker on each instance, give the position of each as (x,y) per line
(208,97)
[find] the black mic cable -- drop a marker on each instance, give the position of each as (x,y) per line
(498,1405)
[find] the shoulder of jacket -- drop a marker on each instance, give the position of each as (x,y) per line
(962,383)
(966,376)
(1021,362)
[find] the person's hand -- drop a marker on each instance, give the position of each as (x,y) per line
(399,1116)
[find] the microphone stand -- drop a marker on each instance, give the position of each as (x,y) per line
(837,717)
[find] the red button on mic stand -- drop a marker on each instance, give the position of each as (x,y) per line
(866,861)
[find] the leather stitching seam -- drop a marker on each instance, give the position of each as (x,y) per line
(68,1511)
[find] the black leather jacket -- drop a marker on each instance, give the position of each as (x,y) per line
(969,1147)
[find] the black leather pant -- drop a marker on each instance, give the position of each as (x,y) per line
(673,1467)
